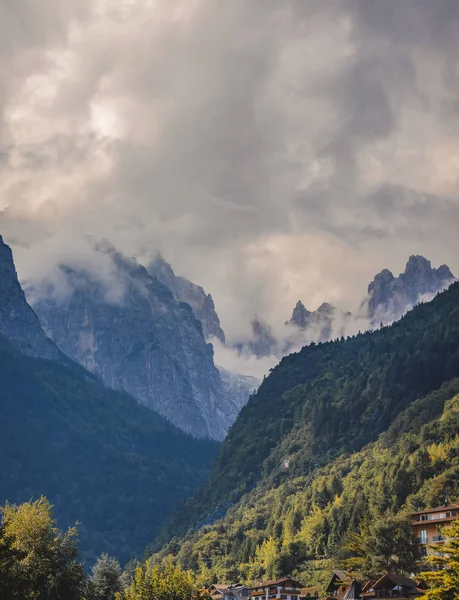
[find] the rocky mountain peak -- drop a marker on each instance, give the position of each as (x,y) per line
(389,297)
(186,291)
(300,315)
(18,321)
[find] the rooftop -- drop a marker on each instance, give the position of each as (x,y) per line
(436,509)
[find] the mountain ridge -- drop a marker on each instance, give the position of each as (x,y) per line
(330,399)
(148,344)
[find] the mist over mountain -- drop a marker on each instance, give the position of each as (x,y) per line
(99,456)
(142,341)
(389,297)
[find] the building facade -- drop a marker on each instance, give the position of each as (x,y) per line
(428,525)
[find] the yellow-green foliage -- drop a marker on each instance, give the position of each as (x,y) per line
(443,582)
(159,582)
(311,519)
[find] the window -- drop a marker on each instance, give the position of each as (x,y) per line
(423,517)
(423,536)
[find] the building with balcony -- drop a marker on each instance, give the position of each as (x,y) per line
(427,524)
(282,589)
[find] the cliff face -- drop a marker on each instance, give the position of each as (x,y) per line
(184,290)
(239,387)
(144,341)
(389,297)
(18,322)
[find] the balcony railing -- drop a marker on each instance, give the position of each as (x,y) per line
(438,538)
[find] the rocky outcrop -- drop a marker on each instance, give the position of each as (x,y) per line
(18,321)
(389,297)
(238,387)
(300,316)
(184,290)
(142,340)
(319,323)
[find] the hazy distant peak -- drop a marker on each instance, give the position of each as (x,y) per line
(389,297)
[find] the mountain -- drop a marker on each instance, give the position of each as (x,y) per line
(321,322)
(309,523)
(184,290)
(328,400)
(98,455)
(138,338)
(18,322)
(239,387)
(389,297)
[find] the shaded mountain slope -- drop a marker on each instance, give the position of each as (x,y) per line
(98,455)
(18,322)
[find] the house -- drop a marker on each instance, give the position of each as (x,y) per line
(237,591)
(427,524)
(390,586)
(338,585)
(354,591)
(283,589)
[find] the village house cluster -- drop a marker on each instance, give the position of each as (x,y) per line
(427,526)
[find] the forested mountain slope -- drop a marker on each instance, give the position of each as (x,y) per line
(98,455)
(283,529)
(328,400)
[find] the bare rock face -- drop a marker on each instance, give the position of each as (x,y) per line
(239,387)
(18,322)
(389,297)
(319,322)
(184,290)
(300,316)
(143,341)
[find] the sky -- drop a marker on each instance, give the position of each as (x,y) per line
(272,150)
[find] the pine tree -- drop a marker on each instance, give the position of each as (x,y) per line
(106,578)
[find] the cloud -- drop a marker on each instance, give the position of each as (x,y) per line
(271,150)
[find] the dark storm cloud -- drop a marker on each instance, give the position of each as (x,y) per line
(271,150)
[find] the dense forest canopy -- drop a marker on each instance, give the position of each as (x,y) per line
(352,513)
(98,455)
(328,400)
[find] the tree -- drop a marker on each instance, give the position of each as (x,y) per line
(106,578)
(388,544)
(12,585)
(159,582)
(43,559)
(444,582)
